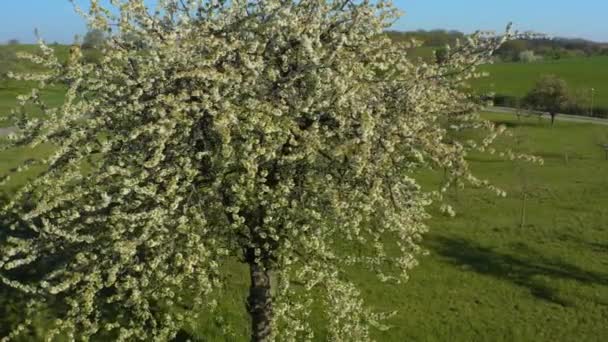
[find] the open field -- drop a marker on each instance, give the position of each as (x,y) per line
(9,89)
(269,171)
(488,278)
(511,79)
(581,74)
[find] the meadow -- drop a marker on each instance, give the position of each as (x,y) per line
(581,74)
(9,88)
(489,276)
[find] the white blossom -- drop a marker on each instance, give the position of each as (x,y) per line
(281,134)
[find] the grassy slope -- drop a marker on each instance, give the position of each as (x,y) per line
(9,89)
(516,79)
(487,278)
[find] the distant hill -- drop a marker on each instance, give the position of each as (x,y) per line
(433,38)
(547,48)
(553,48)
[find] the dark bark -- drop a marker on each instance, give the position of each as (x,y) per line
(260,303)
(184,336)
(552,118)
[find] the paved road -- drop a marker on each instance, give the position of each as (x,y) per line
(560,117)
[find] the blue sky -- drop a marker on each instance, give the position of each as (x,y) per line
(568,18)
(57,21)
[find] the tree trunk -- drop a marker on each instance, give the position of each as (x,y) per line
(260,303)
(522,221)
(552,118)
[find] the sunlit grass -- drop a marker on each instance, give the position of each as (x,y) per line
(581,74)
(488,276)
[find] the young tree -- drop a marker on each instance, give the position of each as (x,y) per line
(510,50)
(282,134)
(442,55)
(528,56)
(549,94)
(93,39)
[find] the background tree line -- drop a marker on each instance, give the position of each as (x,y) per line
(555,48)
(520,50)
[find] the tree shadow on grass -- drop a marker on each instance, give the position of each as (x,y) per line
(485,159)
(598,247)
(593,246)
(184,336)
(527,268)
(12,301)
(515,124)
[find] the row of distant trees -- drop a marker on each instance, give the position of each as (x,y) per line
(434,38)
(93,39)
(520,50)
(555,48)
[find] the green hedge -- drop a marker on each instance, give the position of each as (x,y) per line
(572,108)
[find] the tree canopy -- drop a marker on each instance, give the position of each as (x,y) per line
(93,39)
(281,134)
(550,93)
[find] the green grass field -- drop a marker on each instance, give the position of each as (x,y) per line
(581,74)
(9,88)
(487,278)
